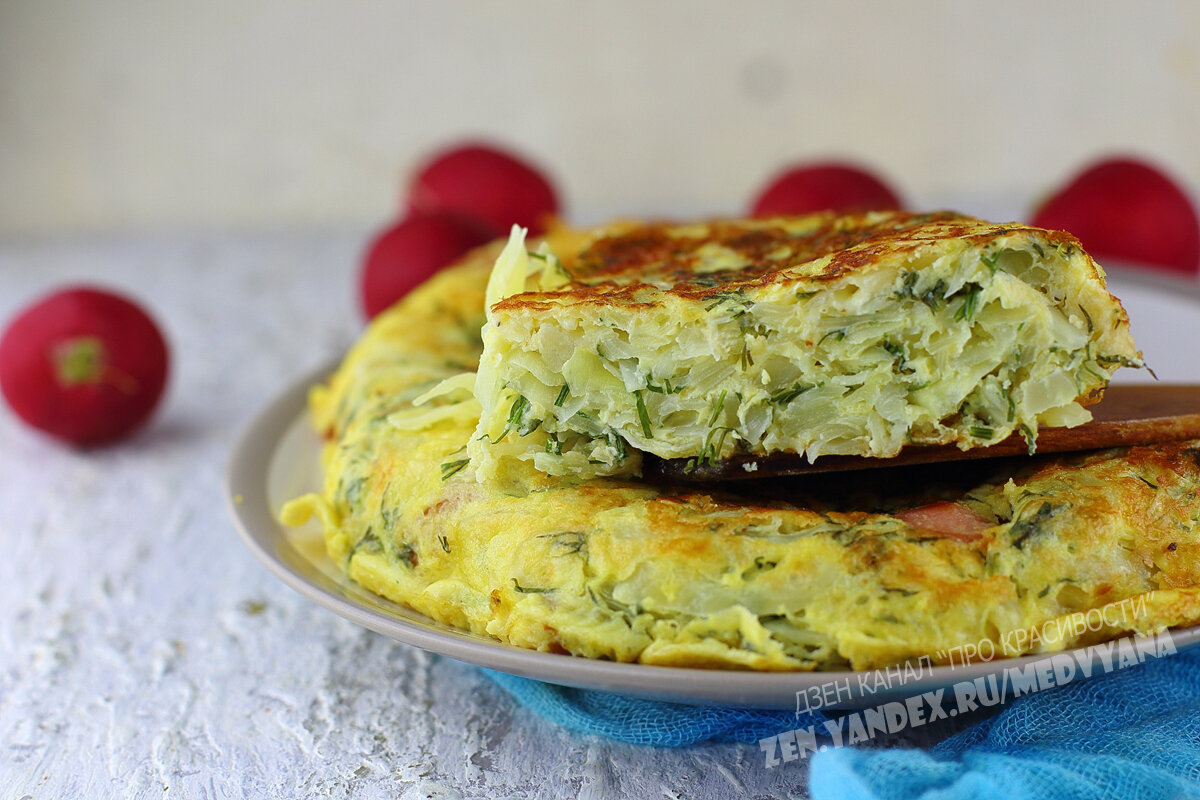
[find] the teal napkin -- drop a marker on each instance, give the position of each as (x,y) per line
(1130,733)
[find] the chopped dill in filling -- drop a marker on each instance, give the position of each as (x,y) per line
(816,335)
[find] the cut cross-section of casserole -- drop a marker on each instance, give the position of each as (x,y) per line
(816,335)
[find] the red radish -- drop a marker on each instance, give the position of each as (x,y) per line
(1124,208)
(84,365)
(481,181)
(948,519)
(410,251)
(831,185)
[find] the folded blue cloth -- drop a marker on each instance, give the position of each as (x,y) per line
(652,722)
(1133,733)
(1130,733)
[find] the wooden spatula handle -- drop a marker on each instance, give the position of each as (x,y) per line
(1128,415)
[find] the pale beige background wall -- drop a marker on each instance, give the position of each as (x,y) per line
(226,115)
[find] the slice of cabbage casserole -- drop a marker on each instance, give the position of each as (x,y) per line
(816,335)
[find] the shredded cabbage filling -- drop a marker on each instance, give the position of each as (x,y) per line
(960,344)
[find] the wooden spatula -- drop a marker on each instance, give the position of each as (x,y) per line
(1128,415)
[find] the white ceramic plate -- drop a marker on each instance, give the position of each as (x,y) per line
(277,458)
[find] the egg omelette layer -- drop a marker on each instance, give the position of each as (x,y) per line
(792,577)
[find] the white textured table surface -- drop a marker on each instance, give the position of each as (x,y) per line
(145,653)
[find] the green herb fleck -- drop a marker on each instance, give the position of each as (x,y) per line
(840,333)
(408,554)
(1030,439)
(1146,481)
(643,416)
(1027,526)
(389,515)
(711,451)
(1050,586)
(897,352)
(724,297)
(970,301)
(562,395)
(718,407)
(529,589)
(517,411)
(989,260)
(1088,317)
(351,492)
(908,287)
(982,432)
(369,543)
(785,396)
(630,613)
(616,442)
(1105,360)
(517,416)
(1100,376)
(665,388)
(569,542)
(935,295)
(452,468)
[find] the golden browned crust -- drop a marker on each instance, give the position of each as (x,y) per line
(620,263)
